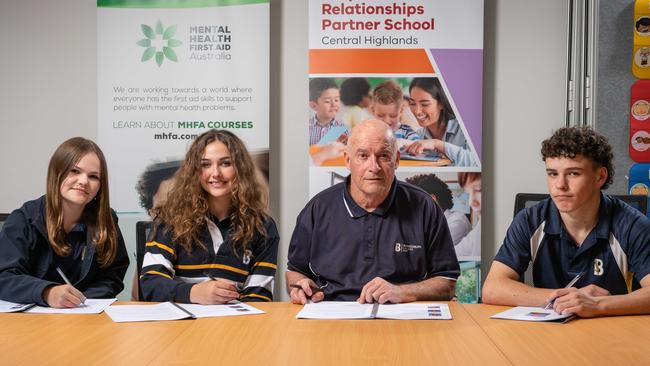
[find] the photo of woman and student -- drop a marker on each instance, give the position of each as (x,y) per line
(428,132)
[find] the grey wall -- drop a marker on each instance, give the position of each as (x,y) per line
(615,46)
(48,93)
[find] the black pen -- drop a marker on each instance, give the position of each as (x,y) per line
(571,283)
(314,290)
(238,285)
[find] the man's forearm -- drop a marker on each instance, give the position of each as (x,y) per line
(436,288)
(637,302)
(506,291)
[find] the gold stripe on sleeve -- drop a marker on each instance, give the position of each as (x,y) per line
(157,273)
(211,265)
(265,264)
(161,246)
(258,296)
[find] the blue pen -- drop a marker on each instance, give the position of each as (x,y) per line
(571,283)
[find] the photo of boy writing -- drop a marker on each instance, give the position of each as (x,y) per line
(327,135)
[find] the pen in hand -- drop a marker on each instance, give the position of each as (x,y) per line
(238,285)
(67,282)
(314,290)
(571,283)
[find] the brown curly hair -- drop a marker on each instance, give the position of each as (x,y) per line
(186,207)
(568,142)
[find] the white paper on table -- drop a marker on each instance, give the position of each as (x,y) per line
(414,311)
(335,310)
(231,309)
(145,313)
(171,311)
(12,307)
(533,314)
(354,310)
(91,306)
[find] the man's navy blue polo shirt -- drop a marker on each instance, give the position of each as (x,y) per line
(615,255)
(342,247)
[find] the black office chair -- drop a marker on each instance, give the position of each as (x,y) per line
(3,218)
(142,232)
(525,200)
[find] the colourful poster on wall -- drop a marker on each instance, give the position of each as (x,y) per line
(169,70)
(417,66)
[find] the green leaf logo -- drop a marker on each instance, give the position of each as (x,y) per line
(159,42)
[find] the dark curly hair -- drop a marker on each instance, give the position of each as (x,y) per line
(568,142)
(433,185)
(353,90)
(318,85)
(151,178)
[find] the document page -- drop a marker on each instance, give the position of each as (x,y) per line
(230,309)
(335,310)
(145,313)
(12,307)
(533,314)
(414,311)
(91,306)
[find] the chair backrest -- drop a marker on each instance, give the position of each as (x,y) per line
(637,201)
(3,217)
(524,200)
(142,232)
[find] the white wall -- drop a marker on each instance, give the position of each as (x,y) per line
(48,93)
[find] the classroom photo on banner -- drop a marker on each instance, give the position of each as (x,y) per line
(419,111)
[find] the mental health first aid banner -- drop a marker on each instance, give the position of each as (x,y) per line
(169,70)
(416,65)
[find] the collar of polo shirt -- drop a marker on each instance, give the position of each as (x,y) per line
(356,211)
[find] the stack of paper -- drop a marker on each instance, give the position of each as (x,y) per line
(354,310)
(91,306)
(533,314)
(174,311)
(12,307)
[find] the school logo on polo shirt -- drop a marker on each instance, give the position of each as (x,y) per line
(404,248)
(247,256)
(598,267)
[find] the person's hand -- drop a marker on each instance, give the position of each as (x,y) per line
(305,292)
(328,151)
(210,292)
(418,147)
(593,290)
(572,300)
(381,291)
(62,296)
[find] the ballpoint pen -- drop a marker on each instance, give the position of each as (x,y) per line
(67,281)
(314,290)
(238,285)
(571,283)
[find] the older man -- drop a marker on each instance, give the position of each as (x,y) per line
(371,238)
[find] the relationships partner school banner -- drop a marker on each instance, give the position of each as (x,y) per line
(417,65)
(169,70)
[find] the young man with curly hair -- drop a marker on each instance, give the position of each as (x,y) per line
(578,230)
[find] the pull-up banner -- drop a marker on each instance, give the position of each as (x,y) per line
(169,70)
(417,65)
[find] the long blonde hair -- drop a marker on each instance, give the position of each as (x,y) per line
(186,206)
(97,213)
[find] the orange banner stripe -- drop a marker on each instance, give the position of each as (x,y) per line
(369,61)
